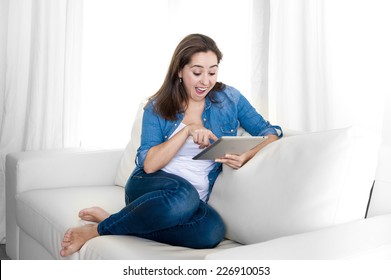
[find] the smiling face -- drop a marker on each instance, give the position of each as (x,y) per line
(200,75)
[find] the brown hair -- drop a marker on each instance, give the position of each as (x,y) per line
(171,97)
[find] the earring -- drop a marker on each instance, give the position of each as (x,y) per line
(180,79)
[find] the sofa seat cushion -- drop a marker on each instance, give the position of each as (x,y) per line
(364,239)
(135,248)
(46,214)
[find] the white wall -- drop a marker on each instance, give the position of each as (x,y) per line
(387,121)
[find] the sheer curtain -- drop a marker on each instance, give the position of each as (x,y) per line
(329,63)
(39,98)
(259,55)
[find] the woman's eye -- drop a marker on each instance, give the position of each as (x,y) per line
(198,74)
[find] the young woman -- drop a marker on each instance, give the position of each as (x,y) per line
(166,195)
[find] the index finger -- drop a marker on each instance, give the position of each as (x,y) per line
(213,137)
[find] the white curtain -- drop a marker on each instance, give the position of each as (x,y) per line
(40,68)
(329,63)
(259,25)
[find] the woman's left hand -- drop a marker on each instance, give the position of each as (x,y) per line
(234,161)
(237,161)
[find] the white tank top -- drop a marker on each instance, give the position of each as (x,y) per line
(194,171)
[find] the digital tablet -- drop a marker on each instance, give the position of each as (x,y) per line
(230,145)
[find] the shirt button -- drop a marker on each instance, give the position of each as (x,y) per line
(165,136)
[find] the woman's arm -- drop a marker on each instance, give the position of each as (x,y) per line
(159,155)
(237,161)
(256,125)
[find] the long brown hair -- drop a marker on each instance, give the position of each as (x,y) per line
(171,97)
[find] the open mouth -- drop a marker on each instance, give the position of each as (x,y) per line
(201,90)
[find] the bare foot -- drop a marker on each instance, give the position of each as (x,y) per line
(75,238)
(93,214)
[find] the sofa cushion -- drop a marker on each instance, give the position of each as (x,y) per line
(297,184)
(127,163)
(135,248)
(364,239)
(46,214)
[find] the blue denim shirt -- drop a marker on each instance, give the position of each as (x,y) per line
(229,110)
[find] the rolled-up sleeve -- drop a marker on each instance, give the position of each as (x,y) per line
(151,134)
(253,122)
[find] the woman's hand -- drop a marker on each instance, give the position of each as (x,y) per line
(237,161)
(159,155)
(201,135)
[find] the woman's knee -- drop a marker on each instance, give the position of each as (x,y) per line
(172,195)
(182,200)
(212,229)
(217,232)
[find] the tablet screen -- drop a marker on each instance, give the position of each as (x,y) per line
(230,145)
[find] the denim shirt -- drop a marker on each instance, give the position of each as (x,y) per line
(229,110)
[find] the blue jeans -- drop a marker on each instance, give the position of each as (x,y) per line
(165,208)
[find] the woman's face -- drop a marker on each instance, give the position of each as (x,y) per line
(200,75)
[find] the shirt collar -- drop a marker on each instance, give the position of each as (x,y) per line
(208,102)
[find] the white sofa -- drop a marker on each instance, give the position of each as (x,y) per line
(303,197)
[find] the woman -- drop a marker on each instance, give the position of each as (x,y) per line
(166,195)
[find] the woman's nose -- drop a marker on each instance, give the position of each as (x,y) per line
(204,80)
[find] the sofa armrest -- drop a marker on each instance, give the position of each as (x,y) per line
(363,239)
(61,168)
(27,171)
